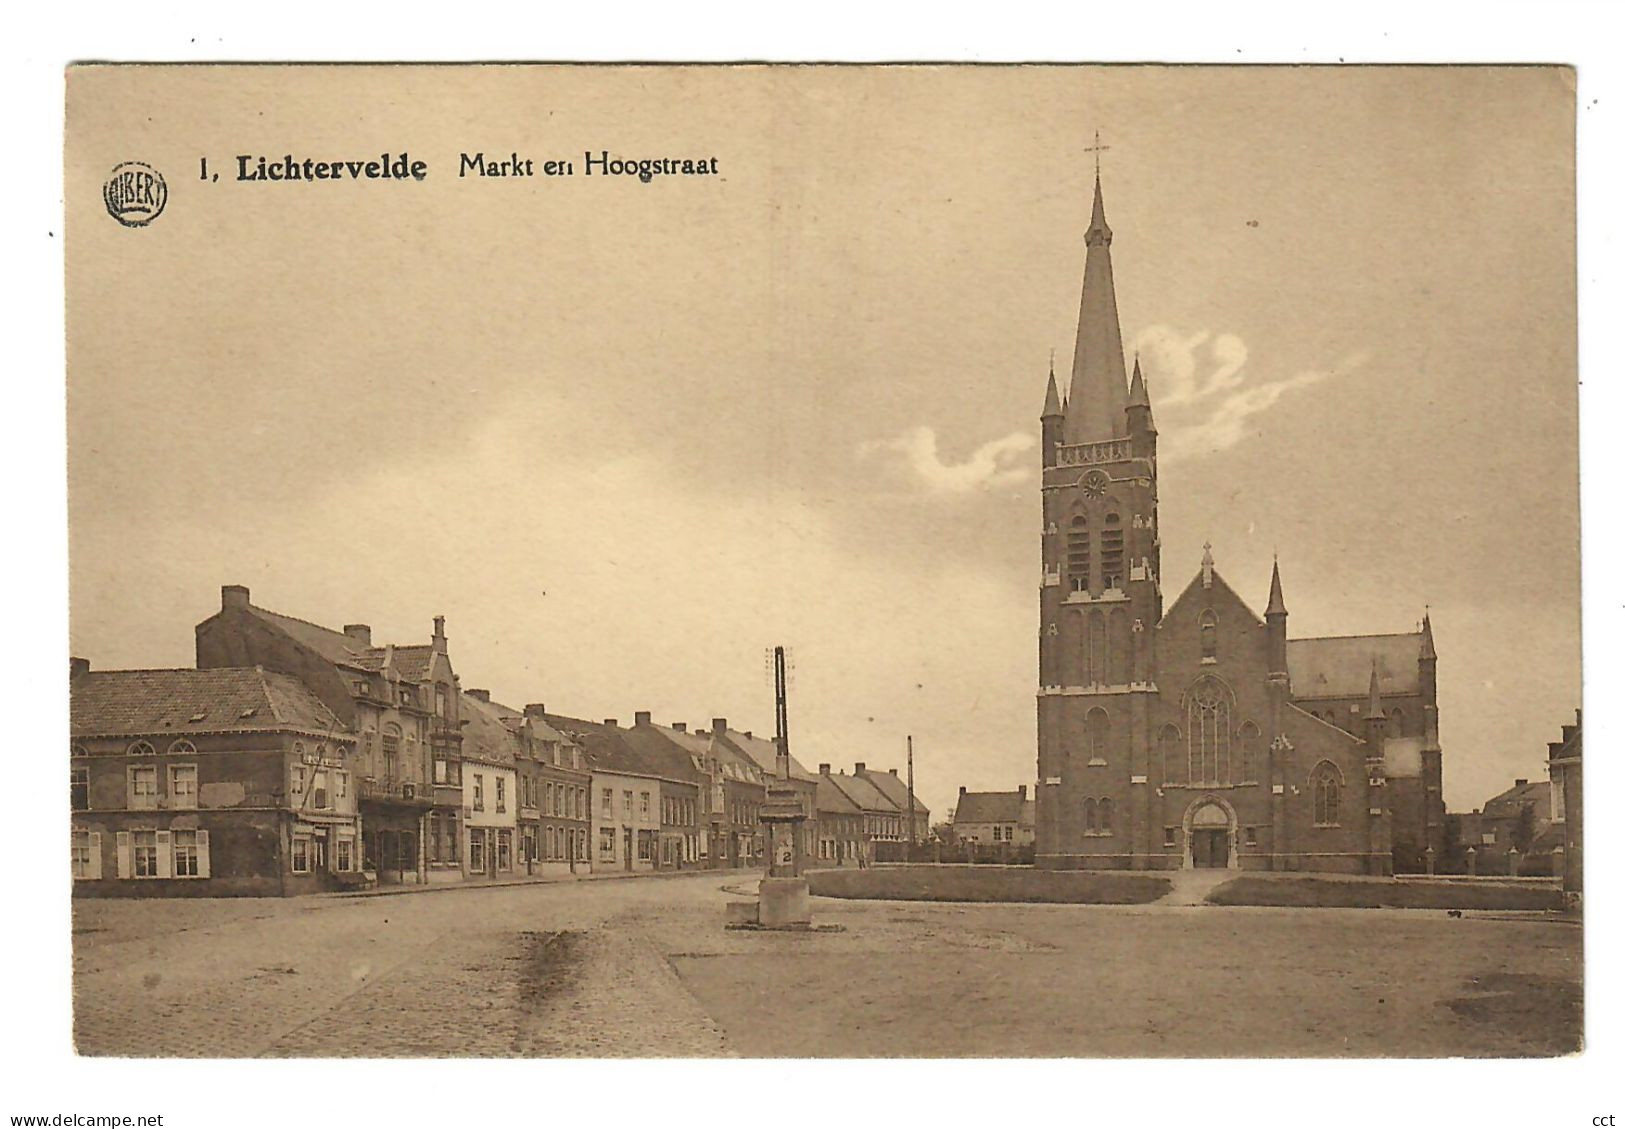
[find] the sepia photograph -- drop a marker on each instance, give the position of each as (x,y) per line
(816,562)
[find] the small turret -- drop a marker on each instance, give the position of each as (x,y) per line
(1275,621)
(1139,403)
(1050,422)
(1376,718)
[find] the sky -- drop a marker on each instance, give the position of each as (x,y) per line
(628,436)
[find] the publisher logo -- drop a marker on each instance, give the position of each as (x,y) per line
(135,194)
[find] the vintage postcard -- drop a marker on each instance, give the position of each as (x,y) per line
(823,561)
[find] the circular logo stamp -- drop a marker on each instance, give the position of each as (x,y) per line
(135,193)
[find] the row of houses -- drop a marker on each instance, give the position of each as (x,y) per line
(1533,826)
(296,758)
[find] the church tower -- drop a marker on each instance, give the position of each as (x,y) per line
(1100,596)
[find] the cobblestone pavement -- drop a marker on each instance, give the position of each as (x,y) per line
(643,967)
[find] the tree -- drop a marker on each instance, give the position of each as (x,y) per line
(1523,831)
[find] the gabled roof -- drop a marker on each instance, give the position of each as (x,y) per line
(486,738)
(895,789)
(1195,592)
(413,662)
(225,699)
(862,793)
(764,754)
(1536,793)
(662,756)
(1339,666)
(604,747)
(989,807)
(831,799)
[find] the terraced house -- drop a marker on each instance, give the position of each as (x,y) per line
(212,782)
(490,803)
(402,704)
(554,791)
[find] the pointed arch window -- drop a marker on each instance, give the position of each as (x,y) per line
(1111,549)
(1247,753)
(1326,785)
(1208,706)
(1077,553)
(1097,733)
(1208,628)
(1173,756)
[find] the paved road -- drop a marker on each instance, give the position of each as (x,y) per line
(643,967)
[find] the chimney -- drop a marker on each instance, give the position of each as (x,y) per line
(859,769)
(482,695)
(1021,791)
(1520,782)
(611,723)
(233,596)
(749,734)
(641,718)
(536,710)
(719,725)
(76,667)
(893,771)
(438,640)
(961,789)
(823,770)
(359,632)
(680,726)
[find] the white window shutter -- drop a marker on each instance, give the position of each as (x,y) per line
(202,854)
(166,860)
(121,847)
(95,868)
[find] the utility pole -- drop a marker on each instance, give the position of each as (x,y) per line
(911,834)
(781,714)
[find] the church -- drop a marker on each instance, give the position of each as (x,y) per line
(1201,735)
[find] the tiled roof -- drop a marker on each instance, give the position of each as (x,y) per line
(1340,666)
(485,737)
(413,662)
(604,747)
(832,799)
(988,807)
(862,793)
(1536,793)
(237,699)
(895,789)
(661,756)
(335,646)
(765,754)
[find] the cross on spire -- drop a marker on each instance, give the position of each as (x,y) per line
(1097,149)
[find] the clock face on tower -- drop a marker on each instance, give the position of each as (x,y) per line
(1094,483)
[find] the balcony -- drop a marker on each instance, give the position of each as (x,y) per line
(408,793)
(1090,454)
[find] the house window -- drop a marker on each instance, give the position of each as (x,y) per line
(184,845)
(79,789)
(296,784)
(476,849)
(144,853)
(392,750)
(144,786)
(607,807)
(479,791)
(643,804)
(182,748)
(84,857)
(301,855)
(318,790)
(440,700)
(341,784)
(626,803)
(606,842)
(183,785)
(440,770)
(141,749)
(1326,786)
(1252,836)
(1170,836)
(547,799)
(502,794)
(344,855)
(504,846)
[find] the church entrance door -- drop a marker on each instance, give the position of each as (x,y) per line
(1210,848)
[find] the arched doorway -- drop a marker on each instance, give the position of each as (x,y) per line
(1210,835)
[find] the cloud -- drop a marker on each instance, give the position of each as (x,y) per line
(915,451)
(1200,384)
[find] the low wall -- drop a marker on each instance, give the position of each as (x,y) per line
(964,883)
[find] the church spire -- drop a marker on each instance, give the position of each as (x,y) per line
(1098,396)
(1277,604)
(1373,706)
(1052,397)
(1427,639)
